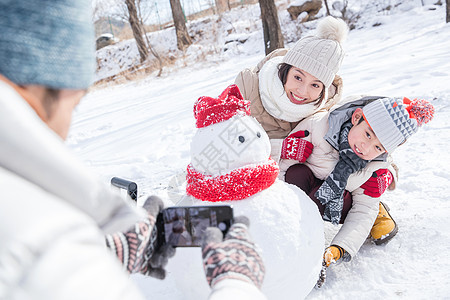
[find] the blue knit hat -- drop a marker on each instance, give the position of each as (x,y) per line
(47,42)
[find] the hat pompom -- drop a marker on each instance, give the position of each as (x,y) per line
(421,110)
(332,29)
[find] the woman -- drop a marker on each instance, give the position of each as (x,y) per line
(289,85)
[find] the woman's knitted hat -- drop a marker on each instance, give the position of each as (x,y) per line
(47,42)
(320,55)
(394,120)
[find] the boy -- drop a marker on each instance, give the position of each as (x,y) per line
(352,143)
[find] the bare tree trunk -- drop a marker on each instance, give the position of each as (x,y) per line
(326,6)
(447,20)
(149,46)
(136,27)
(155,54)
(222,6)
(183,38)
(273,39)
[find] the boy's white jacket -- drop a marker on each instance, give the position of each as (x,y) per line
(322,161)
(54,215)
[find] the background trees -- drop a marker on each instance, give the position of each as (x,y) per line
(138,30)
(183,38)
(447,19)
(273,39)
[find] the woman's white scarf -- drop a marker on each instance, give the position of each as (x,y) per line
(274,98)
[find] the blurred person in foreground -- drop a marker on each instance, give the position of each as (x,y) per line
(54,215)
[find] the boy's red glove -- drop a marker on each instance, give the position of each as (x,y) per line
(378,183)
(296,148)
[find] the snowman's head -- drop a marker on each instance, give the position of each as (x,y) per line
(227,137)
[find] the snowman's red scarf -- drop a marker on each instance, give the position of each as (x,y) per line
(237,185)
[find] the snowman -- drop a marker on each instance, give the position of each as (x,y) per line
(231,164)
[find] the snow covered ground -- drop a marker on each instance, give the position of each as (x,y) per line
(142,131)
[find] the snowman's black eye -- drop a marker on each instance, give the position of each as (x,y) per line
(258,134)
(241,139)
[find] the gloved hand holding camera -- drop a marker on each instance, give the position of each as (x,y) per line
(234,256)
(137,249)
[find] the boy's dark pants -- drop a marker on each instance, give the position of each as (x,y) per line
(301,176)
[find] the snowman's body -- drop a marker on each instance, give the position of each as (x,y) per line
(284,222)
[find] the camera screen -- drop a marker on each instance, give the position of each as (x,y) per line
(185,226)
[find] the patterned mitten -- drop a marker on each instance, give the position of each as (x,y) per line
(137,248)
(378,183)
(236,256)
(296,148)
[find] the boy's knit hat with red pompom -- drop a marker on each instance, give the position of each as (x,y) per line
(208,110)
(394,120)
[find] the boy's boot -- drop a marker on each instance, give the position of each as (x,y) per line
(384,228)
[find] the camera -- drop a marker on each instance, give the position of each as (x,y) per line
(184,226)
(129,186)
